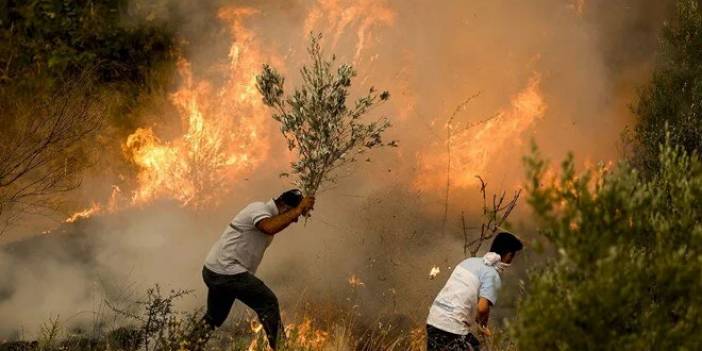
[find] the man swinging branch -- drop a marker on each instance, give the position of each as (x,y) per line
(232,262)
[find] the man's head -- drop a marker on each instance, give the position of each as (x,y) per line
(506,245)
(288,200)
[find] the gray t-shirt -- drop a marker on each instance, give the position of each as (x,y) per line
(242,245)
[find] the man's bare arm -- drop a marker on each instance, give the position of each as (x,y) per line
(275,224)
(483,313)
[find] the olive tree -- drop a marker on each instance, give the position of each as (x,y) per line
(316,120)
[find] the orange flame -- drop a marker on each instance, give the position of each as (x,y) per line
(86,213)
(223,132)
(473,146)
(303,335)
(336,16)
(306,336)
(224,126)
(224,129)
(96,208)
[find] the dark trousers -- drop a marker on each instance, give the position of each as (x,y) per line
(223,290)
(439,340)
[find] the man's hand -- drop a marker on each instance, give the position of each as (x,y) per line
(484,330)
(306,205)
(275,224)
(483,314)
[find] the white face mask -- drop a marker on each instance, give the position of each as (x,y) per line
(494,260)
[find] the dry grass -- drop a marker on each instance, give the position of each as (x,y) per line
(154,325)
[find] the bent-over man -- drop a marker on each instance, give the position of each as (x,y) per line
(464,302)
(232,262)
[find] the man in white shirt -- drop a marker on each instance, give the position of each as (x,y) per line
(466,298)
(232,262)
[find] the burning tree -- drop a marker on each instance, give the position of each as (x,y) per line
(316,121)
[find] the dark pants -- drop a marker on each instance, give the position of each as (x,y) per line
(439,340)
(223,290)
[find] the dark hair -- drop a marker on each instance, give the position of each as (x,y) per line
(505,243)
(292,197)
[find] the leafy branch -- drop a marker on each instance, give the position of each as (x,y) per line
(316,121)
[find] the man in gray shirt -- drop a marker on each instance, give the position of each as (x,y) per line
(232,262)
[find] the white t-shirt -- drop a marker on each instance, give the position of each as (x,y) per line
(242,245)
(454,309)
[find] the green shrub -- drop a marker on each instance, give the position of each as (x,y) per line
(672,102)
(628,270)
(44,41)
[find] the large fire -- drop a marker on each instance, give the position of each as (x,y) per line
(223,134)
(473,146)
(224,129)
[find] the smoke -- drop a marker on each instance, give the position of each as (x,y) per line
(383,222)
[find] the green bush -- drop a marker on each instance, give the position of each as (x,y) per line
(672,102)
(46,40)
(628,269)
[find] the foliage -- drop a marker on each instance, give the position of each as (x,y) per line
(316,121)
(628,274)
(672,102)
(45,40)
(66,66)
(48,335)
(43,152)
(161,327)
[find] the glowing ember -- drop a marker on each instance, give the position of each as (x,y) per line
(355,281)
(474,146)
(434,272)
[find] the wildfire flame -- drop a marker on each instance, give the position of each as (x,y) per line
(96,208)
(336,16)
(303,335)
(257,329)
(306,336)
(434,272)
(473,146)
(86,213)
(224,129)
